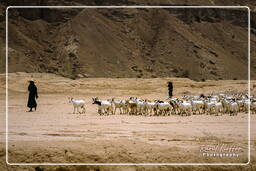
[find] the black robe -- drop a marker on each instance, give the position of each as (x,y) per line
(32,95)
(170,89)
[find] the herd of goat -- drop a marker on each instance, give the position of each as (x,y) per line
(185,106)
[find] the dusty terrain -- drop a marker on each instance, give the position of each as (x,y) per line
(53,134)
(201,45)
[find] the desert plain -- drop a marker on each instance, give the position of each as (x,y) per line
(53,134)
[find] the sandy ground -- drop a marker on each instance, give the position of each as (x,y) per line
(53,134)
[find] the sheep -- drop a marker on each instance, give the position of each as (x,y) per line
(104,106)
(77,104)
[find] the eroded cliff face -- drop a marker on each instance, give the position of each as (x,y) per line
(194,43)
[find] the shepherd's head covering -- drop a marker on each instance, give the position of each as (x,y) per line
(31,80)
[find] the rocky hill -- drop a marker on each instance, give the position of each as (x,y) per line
(195,43)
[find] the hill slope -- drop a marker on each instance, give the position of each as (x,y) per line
(194,43)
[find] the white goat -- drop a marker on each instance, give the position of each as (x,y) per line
(77,104)
(141,106)
(104,106)
(218,108)
(150,107)
(163,107)
(253,107)
(197,105)
(210,107)
(119,104)
(185,108)
(233,108)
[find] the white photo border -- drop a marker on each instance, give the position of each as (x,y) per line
(152,164)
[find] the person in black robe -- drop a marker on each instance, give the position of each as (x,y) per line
(32,96)
(170,89)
